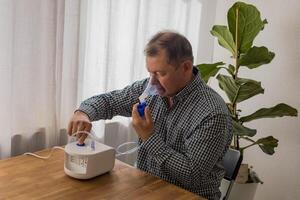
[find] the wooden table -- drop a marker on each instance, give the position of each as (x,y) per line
(26,177)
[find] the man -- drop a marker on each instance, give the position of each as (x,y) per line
(186,129)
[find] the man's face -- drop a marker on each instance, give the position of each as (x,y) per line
(168,79)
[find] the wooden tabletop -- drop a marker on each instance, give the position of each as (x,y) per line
(26,177)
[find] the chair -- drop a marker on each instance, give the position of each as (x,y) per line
(231,162)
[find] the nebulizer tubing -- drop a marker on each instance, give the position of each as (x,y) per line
(44,157)
(94,138)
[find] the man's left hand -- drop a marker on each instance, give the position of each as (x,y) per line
(142,125)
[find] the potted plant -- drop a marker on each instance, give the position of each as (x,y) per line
(244,24)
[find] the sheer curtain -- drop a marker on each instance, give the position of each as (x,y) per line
(114,32)
(38,72)
(56,53)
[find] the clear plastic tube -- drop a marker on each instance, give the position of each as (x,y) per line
(93,138)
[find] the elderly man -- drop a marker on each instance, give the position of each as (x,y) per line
(186,128)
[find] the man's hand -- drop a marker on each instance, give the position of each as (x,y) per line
(79,122)
(143,126)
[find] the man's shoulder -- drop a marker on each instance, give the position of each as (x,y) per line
(209,100)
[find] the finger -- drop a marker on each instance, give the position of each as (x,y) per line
(80,127)
(82,138)
(74,128)
(78,135)
(148,115)
(86,127)
(137,120)
(135,114)
(69,130)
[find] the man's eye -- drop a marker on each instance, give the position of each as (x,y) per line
(161,73)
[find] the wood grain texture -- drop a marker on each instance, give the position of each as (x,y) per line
(27,177)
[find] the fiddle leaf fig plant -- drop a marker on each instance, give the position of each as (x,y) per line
(244,24)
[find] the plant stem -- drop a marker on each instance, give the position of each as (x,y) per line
(243,148)
(246,138)
(236,56)
(235,76)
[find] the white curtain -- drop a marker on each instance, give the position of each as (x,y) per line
(38,72)
(56,53)
(114,32)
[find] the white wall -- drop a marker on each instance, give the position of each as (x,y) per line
(280,79)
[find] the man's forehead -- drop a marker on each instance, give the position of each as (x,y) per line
(155,68)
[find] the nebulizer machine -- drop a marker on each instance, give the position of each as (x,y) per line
(90,159)
(93,158)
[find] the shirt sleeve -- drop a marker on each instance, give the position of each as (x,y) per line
(118,102)
(205,147)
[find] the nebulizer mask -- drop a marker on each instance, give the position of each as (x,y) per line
(153,88)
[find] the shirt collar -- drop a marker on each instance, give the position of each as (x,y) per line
(191,86)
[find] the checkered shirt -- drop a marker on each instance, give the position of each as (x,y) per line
(189,139)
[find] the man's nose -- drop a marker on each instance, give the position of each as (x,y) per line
(152,74)
(153,78)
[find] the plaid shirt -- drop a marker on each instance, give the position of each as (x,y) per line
(189,139)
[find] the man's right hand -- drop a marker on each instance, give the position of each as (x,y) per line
(79,122)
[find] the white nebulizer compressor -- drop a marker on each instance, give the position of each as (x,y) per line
(92,158)
(88,160)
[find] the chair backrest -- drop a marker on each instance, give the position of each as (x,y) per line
(231,162)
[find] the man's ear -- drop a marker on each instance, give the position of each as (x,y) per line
(187,65)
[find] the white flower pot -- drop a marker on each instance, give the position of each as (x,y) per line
(245,191)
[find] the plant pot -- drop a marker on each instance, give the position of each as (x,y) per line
(245,191)
(241,189)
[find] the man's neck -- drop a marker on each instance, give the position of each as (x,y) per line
(189,80)
(170,102)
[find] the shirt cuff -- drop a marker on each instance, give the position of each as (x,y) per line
(89,110)
(154,145)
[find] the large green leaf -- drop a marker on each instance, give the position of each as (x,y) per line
(224,37)
(231,69)
(248,89)
(240,89)
(267,144)
(249,24)
(209,70)
(256,56)
(240,130)
(227,84)
(279,110)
